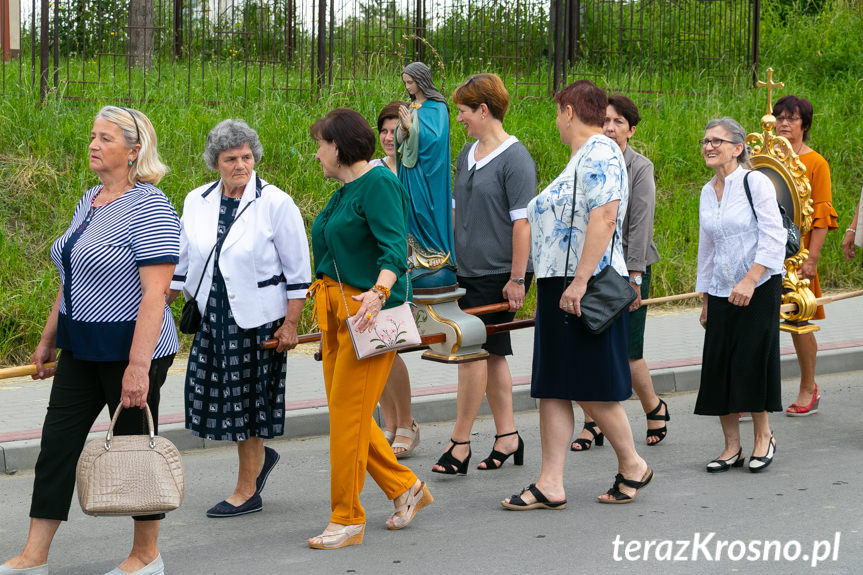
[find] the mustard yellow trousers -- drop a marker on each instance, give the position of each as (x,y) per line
(353,388)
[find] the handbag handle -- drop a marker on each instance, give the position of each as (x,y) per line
(110,434)
(345,300)
(217,244)
(572,219)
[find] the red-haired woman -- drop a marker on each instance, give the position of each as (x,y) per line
(573,223)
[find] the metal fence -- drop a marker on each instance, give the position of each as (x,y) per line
(242,50)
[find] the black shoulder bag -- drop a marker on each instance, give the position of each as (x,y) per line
(190,318)
(792,240)
(608,294)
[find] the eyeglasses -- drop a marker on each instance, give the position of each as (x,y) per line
(789,119)
(714,142)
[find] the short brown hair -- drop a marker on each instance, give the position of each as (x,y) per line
(626,108)
(485,89)
(791,104)
(587,101)
(349,131)
(389,112)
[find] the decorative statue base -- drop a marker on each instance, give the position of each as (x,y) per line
(431,270)
(439,313)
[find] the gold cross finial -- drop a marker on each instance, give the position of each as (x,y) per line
(770,84)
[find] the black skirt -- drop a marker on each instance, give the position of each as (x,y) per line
(486,290)
(571,363)
(740,368)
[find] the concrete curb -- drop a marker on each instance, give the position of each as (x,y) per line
(314,421)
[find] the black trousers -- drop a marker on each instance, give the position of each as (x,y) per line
(80,390)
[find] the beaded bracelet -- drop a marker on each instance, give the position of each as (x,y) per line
(382,289)
(852,230)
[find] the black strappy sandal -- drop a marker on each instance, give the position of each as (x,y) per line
(586,443)
(491,462)
(516,503)
(654,416)
(619,496)
(451,465)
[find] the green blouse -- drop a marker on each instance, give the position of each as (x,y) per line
(363,227)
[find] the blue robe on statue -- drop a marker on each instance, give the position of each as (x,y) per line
(428,181)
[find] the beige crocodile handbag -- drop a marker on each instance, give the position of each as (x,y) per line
(130,475)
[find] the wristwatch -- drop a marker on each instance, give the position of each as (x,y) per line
(519,281)
(635,280)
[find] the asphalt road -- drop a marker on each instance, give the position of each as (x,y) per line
(807,501)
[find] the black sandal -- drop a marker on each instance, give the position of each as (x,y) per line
(516,503)
(586,443)
(660,432)
(491,462)
(621,497)
(451,465)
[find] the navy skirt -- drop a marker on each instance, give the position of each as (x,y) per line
(571,363)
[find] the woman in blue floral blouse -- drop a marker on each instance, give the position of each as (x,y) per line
(570,363)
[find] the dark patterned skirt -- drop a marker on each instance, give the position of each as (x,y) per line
(234,389)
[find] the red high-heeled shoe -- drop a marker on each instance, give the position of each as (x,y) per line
(795,410)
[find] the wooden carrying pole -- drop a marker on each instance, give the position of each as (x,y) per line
(25,370)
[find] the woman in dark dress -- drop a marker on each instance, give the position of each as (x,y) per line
(244,258)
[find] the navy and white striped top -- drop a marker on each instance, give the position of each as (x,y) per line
(98,259)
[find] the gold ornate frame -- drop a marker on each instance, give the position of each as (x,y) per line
(774,156)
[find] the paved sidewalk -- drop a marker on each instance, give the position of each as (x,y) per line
(672,348)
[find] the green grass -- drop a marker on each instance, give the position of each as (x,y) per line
(43,165)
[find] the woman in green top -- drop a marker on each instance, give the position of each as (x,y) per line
(360,248)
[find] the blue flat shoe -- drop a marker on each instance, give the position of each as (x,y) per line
(225,509)
(271,457)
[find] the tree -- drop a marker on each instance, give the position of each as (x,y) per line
(141,18)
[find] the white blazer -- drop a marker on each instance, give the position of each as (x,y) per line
(264,258)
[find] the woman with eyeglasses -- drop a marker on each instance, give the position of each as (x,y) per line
(793,121)
(495,178)
(741,253)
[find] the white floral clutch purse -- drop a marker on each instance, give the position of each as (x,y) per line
(395,328)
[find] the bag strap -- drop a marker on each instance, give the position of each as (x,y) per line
(572,219)
(749,194)
(217,244)
(341,289)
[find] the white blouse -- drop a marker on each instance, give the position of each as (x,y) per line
(730,239)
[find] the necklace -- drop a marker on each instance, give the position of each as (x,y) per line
(799,148)
(93,207)
(111,199)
